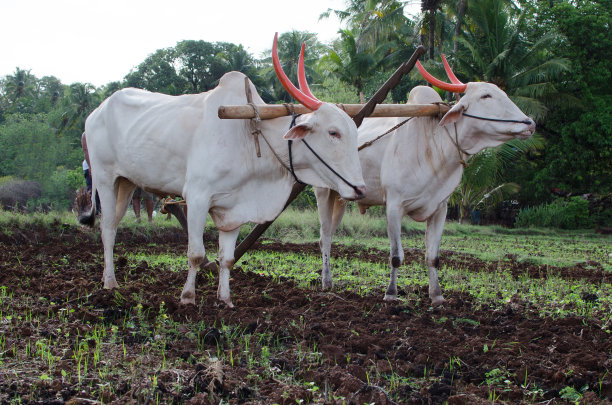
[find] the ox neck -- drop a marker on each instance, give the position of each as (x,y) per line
(272,131)
(461,152)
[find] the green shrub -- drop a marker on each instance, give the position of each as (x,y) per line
(572,213)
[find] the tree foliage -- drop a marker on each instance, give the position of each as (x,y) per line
(550,56)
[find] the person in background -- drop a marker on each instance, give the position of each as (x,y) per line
(87,171)
(140,194)
(87,176)
(86,167)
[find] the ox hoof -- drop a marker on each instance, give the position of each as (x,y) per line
(228,303)
(109,285)
(438,300)
(188,298)
(390,297)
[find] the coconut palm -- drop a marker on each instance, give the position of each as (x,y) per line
(82,99)
(482,184)
(21,84)
(349,64)
(374,20)
(494,49)
(289,47)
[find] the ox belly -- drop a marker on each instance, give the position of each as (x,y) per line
(259,200)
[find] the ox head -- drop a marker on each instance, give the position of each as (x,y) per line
(485,113)
(329,131)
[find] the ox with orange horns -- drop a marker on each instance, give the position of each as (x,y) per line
(414,169)
(178,145)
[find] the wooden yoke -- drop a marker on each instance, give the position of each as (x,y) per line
(365,111)
(270,111)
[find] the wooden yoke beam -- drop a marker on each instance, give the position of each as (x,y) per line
(270,111)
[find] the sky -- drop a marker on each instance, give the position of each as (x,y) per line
(101,41)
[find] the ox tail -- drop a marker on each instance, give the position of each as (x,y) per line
(89,218)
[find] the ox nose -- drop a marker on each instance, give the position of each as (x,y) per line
(360,192)
(530,124)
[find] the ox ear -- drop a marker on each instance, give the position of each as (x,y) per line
(452,115)
(298,132)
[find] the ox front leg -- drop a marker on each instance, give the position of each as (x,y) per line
(195,251)
(435,226)
(227,245)
(331,210)
(396,257)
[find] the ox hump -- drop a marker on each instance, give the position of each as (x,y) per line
(232,79)
(423,95)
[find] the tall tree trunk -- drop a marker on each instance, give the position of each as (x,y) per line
(460,15)
(432,31)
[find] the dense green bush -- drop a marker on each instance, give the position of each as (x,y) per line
(572,213)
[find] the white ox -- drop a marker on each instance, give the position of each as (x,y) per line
(414,169)
(178,145)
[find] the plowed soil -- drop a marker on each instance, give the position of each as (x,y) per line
(280,344)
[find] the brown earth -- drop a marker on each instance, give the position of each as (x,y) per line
(343,347)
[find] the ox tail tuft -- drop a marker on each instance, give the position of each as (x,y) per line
(88,218)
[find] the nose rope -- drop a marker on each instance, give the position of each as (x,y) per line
(526,122)
(290,143)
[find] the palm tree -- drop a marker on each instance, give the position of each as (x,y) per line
(20,84)
(430,7)
(374,20)
(82,99)
(494,49)
(349,64)
(289,47)
(19,92)
(482,184)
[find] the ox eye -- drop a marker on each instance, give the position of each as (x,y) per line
(486,96)
(334,133)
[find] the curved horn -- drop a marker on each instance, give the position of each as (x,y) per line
(302,75)
(304,99)
(449,72)
(455,88)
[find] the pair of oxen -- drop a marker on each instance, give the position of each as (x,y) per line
(178,145)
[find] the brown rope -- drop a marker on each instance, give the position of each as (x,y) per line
(365,145)
(255,130)
(290,109)
(459,149)
(171,201)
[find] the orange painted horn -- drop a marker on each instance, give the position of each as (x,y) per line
(302,75)
(449,72)
(455,88)
(307,101)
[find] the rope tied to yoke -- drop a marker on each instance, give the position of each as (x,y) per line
(460,150)
(254,122)
(369,143)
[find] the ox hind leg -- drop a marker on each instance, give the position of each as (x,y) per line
(395,212)
(195,250)
(435,226)
(227,245)
(331,209)
(114,200)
